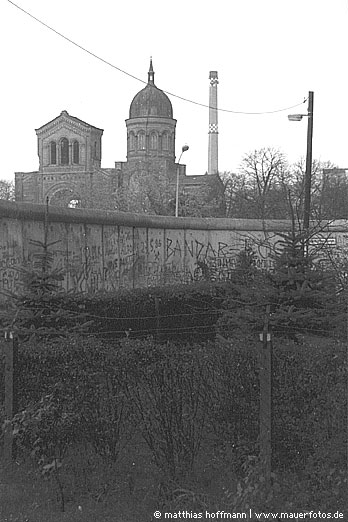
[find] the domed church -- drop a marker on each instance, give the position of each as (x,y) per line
(151,127)
(70,153)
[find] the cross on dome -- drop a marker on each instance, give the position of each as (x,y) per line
(151,74)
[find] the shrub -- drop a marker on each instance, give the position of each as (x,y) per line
(195,406)
(169,386)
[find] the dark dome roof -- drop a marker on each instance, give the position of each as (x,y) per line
(151,101)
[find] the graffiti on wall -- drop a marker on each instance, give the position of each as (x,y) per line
(95,257)
(10,263)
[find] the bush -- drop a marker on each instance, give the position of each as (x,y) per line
(309,402)
(170,388)
(234,420)
(82,377)
(196,407)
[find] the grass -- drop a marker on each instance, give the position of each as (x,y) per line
(97,490)
(25,496)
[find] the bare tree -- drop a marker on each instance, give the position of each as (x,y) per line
(235,193)
(264,170)
(145,190)
(333,203)
(322,190)
(266,187)
(7,190)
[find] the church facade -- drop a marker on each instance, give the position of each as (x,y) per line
(70,153)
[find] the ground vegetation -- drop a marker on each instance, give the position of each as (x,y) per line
(144,423)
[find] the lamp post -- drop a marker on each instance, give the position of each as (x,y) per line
(184,149)
(308,173)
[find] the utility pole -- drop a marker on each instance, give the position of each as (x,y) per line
(266,400)
(183,149)
(308,173)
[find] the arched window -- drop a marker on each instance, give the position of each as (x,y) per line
(153,141)
(64,152)
(76,152)
(53,153)
(131,141)
(141,141)
(164,141)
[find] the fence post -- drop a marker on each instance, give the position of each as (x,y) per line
(157,312)
(266,400)
(10,405)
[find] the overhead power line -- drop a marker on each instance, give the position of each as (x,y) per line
(142,81)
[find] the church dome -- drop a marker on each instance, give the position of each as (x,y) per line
(151,101)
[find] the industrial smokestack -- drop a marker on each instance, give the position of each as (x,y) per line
(213,124)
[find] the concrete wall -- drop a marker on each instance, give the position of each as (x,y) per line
(105,250)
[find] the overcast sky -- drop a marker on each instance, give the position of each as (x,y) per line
(268,54)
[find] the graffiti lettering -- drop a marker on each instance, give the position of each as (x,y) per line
(173,249)
(111,256)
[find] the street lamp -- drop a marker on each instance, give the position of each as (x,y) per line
(184,149)
(308,173)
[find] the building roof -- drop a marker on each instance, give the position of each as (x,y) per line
(70,117)
(199,179)
(151,101)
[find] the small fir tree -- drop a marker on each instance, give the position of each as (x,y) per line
(304,290)
(42,309)
(300,290)
(250,292)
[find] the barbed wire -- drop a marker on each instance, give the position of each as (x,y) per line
(210,311)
